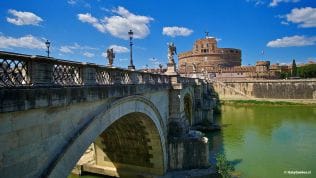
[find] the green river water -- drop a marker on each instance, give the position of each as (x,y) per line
(267,141)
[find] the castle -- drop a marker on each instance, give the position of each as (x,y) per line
(206,56)
(206,60)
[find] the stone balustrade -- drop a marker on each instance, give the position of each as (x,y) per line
(18,70)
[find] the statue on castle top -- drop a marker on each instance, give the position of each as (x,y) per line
(171,51)
(110,55)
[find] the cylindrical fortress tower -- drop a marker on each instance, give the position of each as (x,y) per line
(205,56)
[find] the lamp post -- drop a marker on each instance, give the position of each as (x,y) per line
(160,67)
(131,65)
(47,43)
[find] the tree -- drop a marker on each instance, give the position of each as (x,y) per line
(223,166)
(294,69)
(307,71)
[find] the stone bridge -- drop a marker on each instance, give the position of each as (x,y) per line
(131,123)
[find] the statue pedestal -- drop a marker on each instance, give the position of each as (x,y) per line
(171,69)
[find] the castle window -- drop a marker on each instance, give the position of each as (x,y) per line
(207,45)
(202,46)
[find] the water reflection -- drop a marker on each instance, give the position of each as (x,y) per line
(265,141)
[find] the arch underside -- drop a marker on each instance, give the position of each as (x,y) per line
(128,137)
(130,146)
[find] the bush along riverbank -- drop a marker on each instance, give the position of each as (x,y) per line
(267,102)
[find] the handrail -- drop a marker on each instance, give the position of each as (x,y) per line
(18,70)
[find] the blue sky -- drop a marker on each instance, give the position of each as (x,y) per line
(81,30)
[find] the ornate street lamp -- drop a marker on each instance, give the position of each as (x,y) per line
(160,68)
(131,65)
(47,43)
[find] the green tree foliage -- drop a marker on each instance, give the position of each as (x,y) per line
(284,75)
(294,69)
(224,167)
(307,71)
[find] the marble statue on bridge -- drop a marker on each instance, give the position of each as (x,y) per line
(171,51)
(171,66)
(110,55)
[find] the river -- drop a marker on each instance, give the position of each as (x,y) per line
(267,141)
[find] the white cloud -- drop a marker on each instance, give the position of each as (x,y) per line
(104,54)
(87,18)
(292,41)
(72,2)
(257,2)
(275,3)
(118,25)
(27,41)
(88,54)
(23,18)
(285,23)
(176,31)
(119,49)
(75,46)
(65,49)
(305,17)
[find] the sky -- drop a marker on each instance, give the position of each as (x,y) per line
(82,30)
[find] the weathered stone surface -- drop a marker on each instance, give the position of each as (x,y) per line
(54,126)
(188,153)
(273,89)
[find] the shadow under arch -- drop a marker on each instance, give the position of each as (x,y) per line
(126,109)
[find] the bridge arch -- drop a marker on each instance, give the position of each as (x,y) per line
(129,114)
(187,102)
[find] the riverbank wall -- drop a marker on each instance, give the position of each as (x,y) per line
(266,89)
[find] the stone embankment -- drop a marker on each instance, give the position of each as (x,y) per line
(269,90)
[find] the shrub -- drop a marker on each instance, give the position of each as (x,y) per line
(223,166)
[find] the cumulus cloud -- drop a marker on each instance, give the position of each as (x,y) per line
(292,41)
(256,2)
(119,49)
(23,18)
(75,46)
(72,2)
(275,3)
(176,31)
(119,24)
(65,49)
(88,54)
(87,18)
(285,23)
(305,17)
(27,41)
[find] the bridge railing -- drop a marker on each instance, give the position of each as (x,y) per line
(18,70)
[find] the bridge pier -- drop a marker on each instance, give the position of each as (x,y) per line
(187,148)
